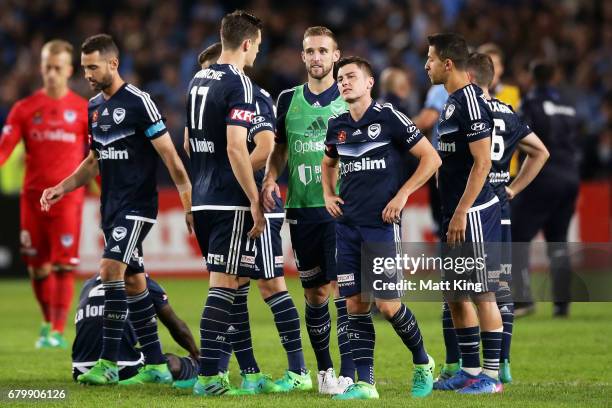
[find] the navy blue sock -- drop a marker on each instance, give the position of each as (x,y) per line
(213,328)
(189,368)
(363,337)
(287,323)
(453,354)
(506,309)
(239,332)
(115,315)
(347,365)
(225,355)
(406,326)
(144,321)
(469,344)
(491,345)
(318,325)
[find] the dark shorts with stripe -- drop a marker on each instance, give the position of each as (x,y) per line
(506,248)
(222,237)
(357,246)
(123,241)
(482,241)
(314,250)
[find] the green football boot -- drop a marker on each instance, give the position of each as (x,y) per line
(294,382)
(44,339)
(184,384)
(259,384)
(422,379)
(58,340)
(448,370)
(504,372)
(104,372)
(215,385)
(150,374)
(360,390)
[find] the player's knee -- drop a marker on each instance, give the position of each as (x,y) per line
(111,270)
(135,283)
(270,287)
(354,305)
(39,272)
(317,296)
(388,309)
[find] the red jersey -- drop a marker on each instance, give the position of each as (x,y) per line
(55,136)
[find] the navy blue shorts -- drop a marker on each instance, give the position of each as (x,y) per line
(482,241)
(123,241)
(506,248)
(357,246)
(314,249)
(222,236)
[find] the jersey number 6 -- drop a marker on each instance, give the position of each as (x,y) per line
(497,142)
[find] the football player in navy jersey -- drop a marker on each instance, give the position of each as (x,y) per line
(88,343)
(471,213)
(364,147)
(266,269)
(127,134)
(226,200)
(303,112)
(509,133)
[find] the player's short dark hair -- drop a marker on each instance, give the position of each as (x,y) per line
(211,53)
(362,63)
(491,49)
(481,67)
(103,43)
(237,27)
(450,46)
(320,31)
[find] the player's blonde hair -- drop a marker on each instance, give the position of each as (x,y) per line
(57,46)
(320,31)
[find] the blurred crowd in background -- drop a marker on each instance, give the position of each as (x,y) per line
(160,41)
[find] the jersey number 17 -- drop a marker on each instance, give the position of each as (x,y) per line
(195,91)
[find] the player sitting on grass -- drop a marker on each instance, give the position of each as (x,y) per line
(87,344)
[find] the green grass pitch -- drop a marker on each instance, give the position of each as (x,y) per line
(555,363)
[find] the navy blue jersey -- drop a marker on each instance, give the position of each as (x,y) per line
(122,128)
(370,153)
(264,119)
(87,344)
(508,130)
(553,118)
(466,118)
(218,96)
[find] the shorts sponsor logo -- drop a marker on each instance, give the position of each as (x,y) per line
(247,259)
(242,115)
(310,272)
(215,259)
(348,277)
(70,116)
(119,233)
(374,130)
(67,240)
(118,115)
(478,126)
